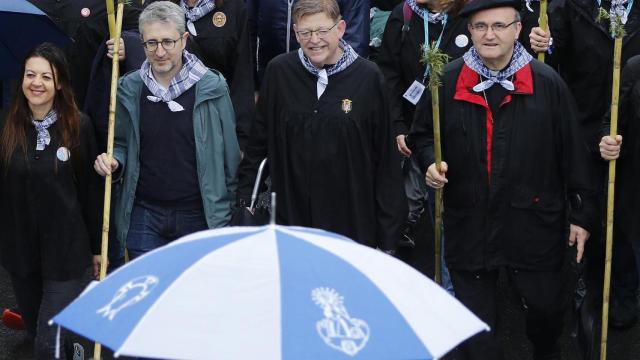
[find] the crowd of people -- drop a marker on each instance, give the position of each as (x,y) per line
(210,88)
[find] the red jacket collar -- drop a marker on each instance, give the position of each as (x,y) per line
(467,79)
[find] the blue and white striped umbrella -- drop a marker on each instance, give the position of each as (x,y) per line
(271,292)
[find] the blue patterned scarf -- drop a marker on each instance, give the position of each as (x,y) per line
(619,9)
(202,8)
(433,18)
(44,138)
(348,57)
(520,58)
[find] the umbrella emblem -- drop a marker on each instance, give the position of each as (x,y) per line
(339,330)
(129,294)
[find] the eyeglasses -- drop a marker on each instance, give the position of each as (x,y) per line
(321,32)
(496,27)
(167,44)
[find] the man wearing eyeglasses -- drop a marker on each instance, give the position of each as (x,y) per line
(322,120)
(176,151)
(510,162)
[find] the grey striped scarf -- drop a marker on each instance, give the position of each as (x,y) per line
(202,8)
(348,57)
(192,71)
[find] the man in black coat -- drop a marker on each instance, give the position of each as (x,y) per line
(322,121)
(627,202)
(583,52)
(400,61)
(512,161)
(270,28)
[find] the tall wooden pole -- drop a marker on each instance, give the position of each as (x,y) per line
(111,19)
(543,23)
(115,70)
(435,60)
(437,149)
(615,91)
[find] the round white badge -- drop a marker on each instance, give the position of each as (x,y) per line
(85,12)
(462,40)
(63,154)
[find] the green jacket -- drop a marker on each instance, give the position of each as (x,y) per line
(217,150)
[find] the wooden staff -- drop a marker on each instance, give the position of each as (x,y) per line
(435,59)
(111,20)
(115,70)
(543,23)
(437,149)
(617,54)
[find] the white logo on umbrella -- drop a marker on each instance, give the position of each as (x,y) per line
(339,330)
(129,294)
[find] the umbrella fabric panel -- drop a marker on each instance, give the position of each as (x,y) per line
(234,313)
(20,6)
(125,296)
(441,323)
(299,231)
(19,33)
(332,311)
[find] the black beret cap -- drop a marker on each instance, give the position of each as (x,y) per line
(474,6)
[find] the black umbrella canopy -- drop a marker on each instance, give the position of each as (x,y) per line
(22,27)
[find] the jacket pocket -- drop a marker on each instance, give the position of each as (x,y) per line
(535,228)
(529,199)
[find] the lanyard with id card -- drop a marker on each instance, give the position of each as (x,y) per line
(414,92)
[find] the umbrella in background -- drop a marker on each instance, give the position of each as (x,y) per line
(22,27)
(270,292)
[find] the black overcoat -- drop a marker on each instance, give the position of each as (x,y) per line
(332,160)
(627,167)
(583,52)
(400,54)
(223,45)
(512,210)
(50,210)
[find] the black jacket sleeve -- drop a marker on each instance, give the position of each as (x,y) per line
(390,199)
(389,62)
(576,161)
(242,87)
(628,108)
(252,23)
(89,184)
(256,148)
(559,12)
(421,135)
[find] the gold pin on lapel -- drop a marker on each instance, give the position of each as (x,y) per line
(219,19)
(346,105)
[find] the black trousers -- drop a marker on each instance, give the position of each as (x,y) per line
(39,300)
(542,299)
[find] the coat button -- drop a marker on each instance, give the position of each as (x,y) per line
(315,111)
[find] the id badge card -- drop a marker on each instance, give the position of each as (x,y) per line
(414,92)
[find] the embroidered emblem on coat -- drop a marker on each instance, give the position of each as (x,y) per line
(346,105)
